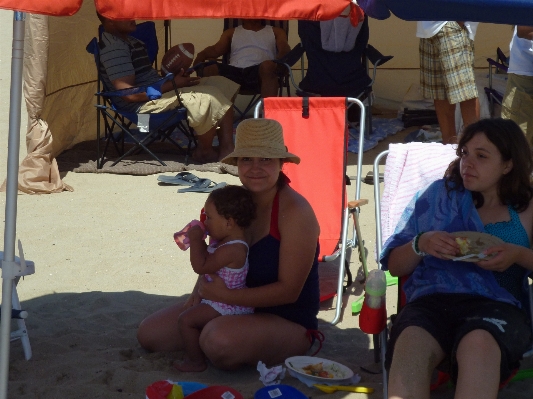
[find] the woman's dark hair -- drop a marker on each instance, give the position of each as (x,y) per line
(234,202)
(515,187)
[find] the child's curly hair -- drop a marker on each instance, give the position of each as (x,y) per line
(234,202)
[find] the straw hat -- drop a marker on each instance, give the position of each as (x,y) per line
(260,138)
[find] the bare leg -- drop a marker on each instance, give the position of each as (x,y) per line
(230,342)
(470,111)
(446,117)
(191,322)
(204,152)
(478,358)
(160,331)
(225,134)
(416,354)
(269,79)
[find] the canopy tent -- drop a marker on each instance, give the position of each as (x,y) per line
(497,11)
(516,12)
(36,78)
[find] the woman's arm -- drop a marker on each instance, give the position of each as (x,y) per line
(299,232)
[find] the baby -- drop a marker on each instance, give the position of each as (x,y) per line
(228,210)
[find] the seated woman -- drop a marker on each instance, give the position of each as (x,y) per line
(469,316)
(282,278)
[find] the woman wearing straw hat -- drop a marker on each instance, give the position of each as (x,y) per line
(282,281)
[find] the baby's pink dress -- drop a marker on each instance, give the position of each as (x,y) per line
(234,279)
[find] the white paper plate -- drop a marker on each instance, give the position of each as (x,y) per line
(340,372)
(479,242)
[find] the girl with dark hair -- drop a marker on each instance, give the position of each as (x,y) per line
(469,317)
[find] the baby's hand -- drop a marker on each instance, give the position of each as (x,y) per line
(196,233)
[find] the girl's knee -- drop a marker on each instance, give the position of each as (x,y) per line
(478,342)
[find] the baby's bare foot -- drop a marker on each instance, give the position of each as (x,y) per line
(190,366)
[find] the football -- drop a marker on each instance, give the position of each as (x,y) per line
(177,57)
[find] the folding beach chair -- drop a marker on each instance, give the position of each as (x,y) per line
(497,66)
(409,168)
(321,175)
(22,268)
(154,127)
(344,73)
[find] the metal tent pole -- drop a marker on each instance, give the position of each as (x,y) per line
(8,263)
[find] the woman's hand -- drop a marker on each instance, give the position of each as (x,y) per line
(214,290)
(438,244)
(504,255)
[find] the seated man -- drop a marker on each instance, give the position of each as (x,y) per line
(124,63)
(251,46)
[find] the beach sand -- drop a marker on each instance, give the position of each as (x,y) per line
(105,258)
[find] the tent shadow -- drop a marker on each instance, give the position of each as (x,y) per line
(84,345)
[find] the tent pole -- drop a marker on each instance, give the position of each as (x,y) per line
(8,263)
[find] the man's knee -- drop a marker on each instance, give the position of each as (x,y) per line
(267,69)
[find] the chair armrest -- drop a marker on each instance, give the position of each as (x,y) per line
(498,65)
(375,57)
(153,91)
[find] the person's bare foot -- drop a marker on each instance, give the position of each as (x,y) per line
(189,366)
(205,156)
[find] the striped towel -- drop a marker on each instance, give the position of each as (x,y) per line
(409,168)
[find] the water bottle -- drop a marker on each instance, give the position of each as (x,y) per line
(373,316)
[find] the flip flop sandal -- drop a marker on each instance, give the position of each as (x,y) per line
(202,186)
(181,179)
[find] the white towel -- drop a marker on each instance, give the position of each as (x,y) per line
(338,34)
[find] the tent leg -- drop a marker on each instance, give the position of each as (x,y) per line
(8,264)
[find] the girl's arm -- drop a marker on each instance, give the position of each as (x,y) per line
(299,232)
(403,260)
(203,262)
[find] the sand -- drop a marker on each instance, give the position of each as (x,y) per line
(105,259)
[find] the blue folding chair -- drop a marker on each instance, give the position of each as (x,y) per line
(160,125)
(340,74)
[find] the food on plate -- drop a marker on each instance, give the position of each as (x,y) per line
(317,370)
(464,245)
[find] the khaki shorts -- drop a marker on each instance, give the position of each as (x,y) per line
(206,102)
(518,103)
(447,65)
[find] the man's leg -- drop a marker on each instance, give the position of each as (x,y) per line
(225,135)
(269,79)
(470,111)
(446,117)
(204,151)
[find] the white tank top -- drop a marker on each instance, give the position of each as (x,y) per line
(249,48)
(521,57)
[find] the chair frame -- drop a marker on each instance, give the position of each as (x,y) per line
(23,268)
(114,117)
(499,65)
(350,209)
